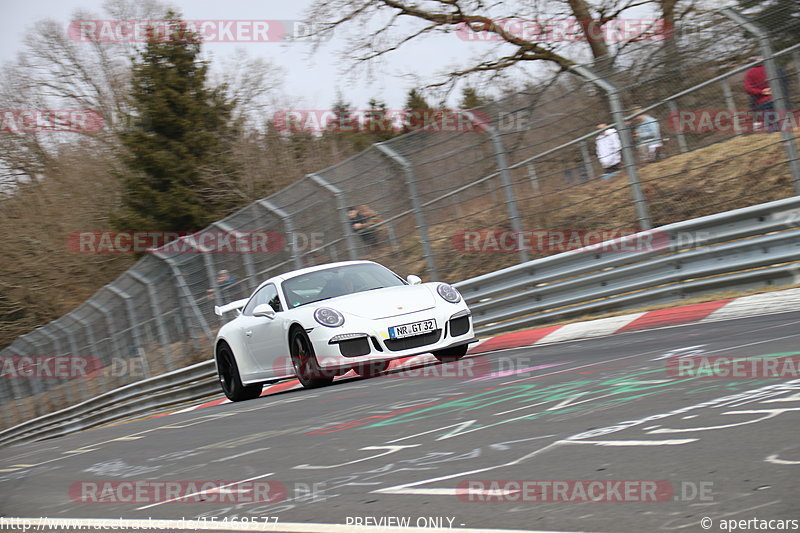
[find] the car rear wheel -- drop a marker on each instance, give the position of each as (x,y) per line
(305,362)
(453,353)
(229,378)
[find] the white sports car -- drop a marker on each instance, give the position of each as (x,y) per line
(319,322)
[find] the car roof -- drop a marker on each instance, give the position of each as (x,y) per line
(280,278)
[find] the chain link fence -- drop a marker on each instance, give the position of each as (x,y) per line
(521,165)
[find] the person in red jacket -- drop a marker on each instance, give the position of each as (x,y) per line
(761,101)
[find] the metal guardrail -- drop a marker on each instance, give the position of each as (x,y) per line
(190,383)
(753,245)
(740,249)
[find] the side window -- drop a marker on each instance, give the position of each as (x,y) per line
(267,294)
(274,301)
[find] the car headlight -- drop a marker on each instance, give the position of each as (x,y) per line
(448,292)
(329,317)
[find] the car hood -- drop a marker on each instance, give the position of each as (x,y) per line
(384,303)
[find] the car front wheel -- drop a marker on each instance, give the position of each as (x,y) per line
(305,362)
(229,378)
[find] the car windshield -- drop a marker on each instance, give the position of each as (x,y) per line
(337,281)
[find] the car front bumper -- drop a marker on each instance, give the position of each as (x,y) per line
(368,340)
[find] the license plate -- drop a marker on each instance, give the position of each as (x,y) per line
(409,330)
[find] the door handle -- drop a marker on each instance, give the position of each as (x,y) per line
(249,332)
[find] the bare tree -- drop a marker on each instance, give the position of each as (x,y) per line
(55,183)
(254,84)
(392,24)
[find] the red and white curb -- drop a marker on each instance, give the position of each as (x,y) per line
(757,304)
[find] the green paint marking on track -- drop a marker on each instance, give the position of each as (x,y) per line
(613,391)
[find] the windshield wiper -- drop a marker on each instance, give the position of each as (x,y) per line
(315,301)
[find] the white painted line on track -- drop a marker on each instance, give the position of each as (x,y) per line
(389,449)
(405,487)
(667,442)
(774,459)
(207,525)
(203,491)
(223,459)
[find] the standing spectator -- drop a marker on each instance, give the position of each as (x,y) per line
(761,102)
(225,284)
(361,220)
(609,150)
(648,137)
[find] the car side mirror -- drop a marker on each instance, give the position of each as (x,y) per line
(413,280)
(264,310)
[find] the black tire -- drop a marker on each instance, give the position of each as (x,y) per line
(305,363)
(229,378)
(371,368)
(451,354)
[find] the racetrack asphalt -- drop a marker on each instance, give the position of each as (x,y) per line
(406,446)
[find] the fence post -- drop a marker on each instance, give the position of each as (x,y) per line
(36,385)
(211,274)
(7,400)
(796,60)
(187,295)
(505,177)
(54,341)
(93,343)
(731,105)
(247,259)
(288,225)
(136,335)
(47,384)
(155,309)
(23,410)
(73,346)
(775,85)
(587,160)
(533,177)
(682,146)
(628,157)
(111,330)
(66,389)
(392,236)
(341,207)
(416,206)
